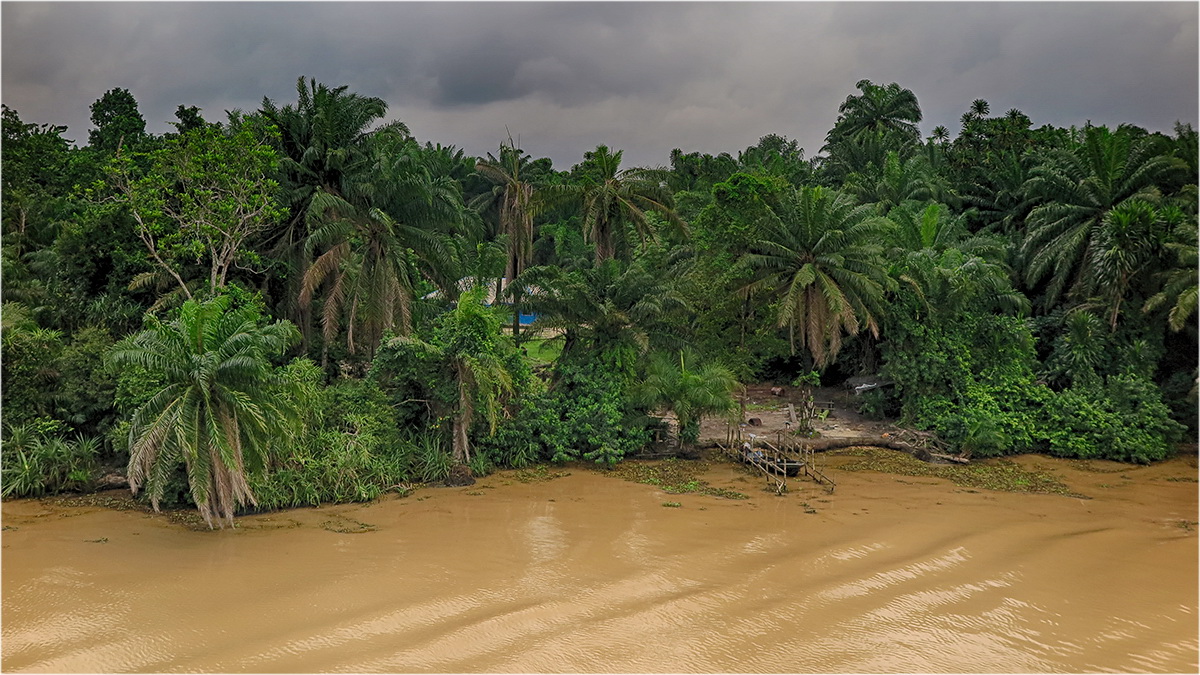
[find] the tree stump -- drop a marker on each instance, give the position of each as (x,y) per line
(459,476)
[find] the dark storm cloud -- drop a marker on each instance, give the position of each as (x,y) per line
(644,77)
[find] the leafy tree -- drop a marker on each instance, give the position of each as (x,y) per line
(117,122)
(204,196)
(821,258)
(30,356)
(218,410)
(777,156)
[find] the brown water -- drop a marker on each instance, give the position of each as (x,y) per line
(588,573)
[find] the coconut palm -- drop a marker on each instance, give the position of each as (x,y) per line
(692,391)
(217,409)
(1075,189)
(822,258)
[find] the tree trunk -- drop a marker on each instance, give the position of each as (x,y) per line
(462,419)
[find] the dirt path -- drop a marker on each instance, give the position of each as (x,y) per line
(843,421)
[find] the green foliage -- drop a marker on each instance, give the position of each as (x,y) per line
(37,462)
(587,414)
(1125,420)
(218,409)
(29,357)
(348,449)
(117,120)
(690,390)
(202,197)
(821,259)
(464,367)
(613,201)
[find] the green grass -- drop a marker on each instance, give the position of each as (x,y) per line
(543,350)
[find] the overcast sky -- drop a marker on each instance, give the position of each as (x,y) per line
(637,76)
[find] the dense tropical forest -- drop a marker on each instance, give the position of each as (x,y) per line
(302,304)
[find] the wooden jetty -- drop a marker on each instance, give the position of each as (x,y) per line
(787,457)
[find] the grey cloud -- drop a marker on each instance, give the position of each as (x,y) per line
(643,77)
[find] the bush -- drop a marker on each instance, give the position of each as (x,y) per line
(1126,420)
(349,447)
(36,463)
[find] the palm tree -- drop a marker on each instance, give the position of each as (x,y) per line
(517,206)
(1179,285)
(362,244)
(896,181)
(690,391)
(324,140)
(611,305)
(822,258)
(611,198)
(932,225)
(1076,190)
(1130,240)
(217,410)
(889,109)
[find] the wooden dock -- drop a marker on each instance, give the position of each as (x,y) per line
(786,457)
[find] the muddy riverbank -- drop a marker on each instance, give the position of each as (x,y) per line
(577,570)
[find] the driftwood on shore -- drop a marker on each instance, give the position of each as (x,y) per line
(921,453)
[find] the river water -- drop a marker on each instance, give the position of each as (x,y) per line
(589,573)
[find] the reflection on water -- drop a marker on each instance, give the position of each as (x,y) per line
(590,574)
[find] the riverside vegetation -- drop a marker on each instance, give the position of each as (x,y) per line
(300,305)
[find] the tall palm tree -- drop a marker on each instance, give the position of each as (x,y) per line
(517,205)
(610,198)
(878,108)
(1075,189)
(362,243)
(217,410)
(822,258)
(324,140)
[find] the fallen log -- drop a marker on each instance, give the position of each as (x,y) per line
(826,444)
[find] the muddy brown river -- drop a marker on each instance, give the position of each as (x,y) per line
(589,573)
